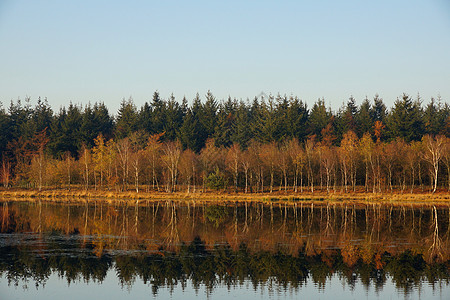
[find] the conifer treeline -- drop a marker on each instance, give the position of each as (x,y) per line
(248,145)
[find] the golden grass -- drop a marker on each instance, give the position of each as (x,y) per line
(214,197)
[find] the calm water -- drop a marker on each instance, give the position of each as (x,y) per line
(273,251)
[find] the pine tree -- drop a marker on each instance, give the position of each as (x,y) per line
(65,133)
(319,118)
(173,119)
(281,124)
(192,134)
(378,111)
(434,117)
(208,116)
(19,120)
(226,124)
(127,118)
(4,130)
(405,120)
(364,118)
(158,115)
(297,119)
(145,117)
(42,116)
(265,127)
(242,134)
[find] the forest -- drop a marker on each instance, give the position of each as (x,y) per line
(270,143)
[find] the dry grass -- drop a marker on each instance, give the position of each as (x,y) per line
(78,194)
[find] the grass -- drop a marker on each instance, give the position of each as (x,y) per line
(218,197)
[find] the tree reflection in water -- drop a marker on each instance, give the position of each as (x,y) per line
(274,244)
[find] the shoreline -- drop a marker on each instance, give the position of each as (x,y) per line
(214,197)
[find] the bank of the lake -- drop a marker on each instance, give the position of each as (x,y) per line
(77,194)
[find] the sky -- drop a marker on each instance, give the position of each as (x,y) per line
(105,51)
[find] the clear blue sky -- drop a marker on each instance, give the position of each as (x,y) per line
(83,51)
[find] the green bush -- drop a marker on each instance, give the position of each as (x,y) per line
(216,180)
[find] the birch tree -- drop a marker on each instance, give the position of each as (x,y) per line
(171,158)
(187,168)
(232,161)
(434,150)
(124,151)
(348,157)
(99,156)
(298,158)
(153,152)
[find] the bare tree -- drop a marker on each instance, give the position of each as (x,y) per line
(328,160)
(367,148)
(348,155)
(85,159)
(269,156)
(310,149)
(232,161)
(6,171)
(298,158)
(389,156)
(112,175)
(209,157)
(171,158)
(137,139)
(124,151)
(246,164)
(284,162)
(446,160)
(326,153)
(433,154)
(153,150)
(99,156)
(187,167)
(412,158)
(256,165)
(40,140)
(69,161)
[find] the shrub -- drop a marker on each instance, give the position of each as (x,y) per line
(216,180)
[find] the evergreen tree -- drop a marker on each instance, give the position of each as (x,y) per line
(434,117)
(265,127)
(65,132)
(96,120)
(173,119)
(208,116)
(364,118)
(350,114)
(19,118)
(184,106)
(346,118)
(226,124)
(297,119)
(127,118)
(282,130)
(192,134)
(242,133)
(319,118)
(145,117)
(4,130)
(378,109)
(42,116)
(158,115)
(406,120)
(340,123)
(103,120)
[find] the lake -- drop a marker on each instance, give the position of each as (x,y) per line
(172,250)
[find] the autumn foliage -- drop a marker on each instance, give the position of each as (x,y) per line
(273,144)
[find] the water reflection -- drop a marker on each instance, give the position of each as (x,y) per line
(166,244)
